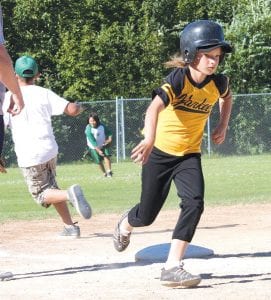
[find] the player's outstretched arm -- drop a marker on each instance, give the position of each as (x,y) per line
(7,76)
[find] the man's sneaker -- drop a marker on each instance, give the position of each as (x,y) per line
(71,231)
(109,174)
(177,276)
(5,276)
(78,201)
(121,242)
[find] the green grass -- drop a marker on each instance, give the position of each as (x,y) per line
(237,179)
(228,180)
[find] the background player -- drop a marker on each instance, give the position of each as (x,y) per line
(99,139)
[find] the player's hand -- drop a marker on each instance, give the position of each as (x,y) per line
(219,135)
(100,152)
(16,104)
(140,154)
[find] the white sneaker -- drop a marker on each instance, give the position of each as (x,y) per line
(71,231)
(79,202)
(177,276)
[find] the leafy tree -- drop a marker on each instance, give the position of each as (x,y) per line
(99,49)
(219,10)
(93,49)
(249,67)
(10,35)
(122,57)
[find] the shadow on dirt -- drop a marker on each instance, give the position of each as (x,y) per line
(74,270)
(236,278)
(256,254)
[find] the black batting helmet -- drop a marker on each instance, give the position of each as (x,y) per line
(202,34)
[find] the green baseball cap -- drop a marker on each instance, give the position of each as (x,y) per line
(26,66)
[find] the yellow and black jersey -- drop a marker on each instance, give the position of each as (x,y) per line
(187,107)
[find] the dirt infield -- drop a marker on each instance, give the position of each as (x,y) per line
(49,267)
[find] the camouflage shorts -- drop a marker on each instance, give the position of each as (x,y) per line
(40,178)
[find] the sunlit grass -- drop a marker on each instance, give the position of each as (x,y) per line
(228,180)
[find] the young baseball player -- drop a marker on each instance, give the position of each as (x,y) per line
(99,139)
(36,147)
(171,148)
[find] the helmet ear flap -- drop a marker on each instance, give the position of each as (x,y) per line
(188,54)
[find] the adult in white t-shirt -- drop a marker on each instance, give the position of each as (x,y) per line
(36,148)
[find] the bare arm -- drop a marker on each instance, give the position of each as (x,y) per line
(142,151)
(225,105)
(7,76)
(108,141)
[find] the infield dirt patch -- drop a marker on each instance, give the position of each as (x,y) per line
(46,266)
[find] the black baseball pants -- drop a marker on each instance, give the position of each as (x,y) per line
(157,175)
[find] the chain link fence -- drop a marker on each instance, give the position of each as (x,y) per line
(249,130)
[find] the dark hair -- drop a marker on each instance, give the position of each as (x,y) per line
(94,116)
(27,80)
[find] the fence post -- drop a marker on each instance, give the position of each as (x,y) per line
(122,130)
(117,130)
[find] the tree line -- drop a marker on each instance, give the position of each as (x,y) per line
(99,49)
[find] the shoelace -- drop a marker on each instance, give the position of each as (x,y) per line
(124,239)
(181,273)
